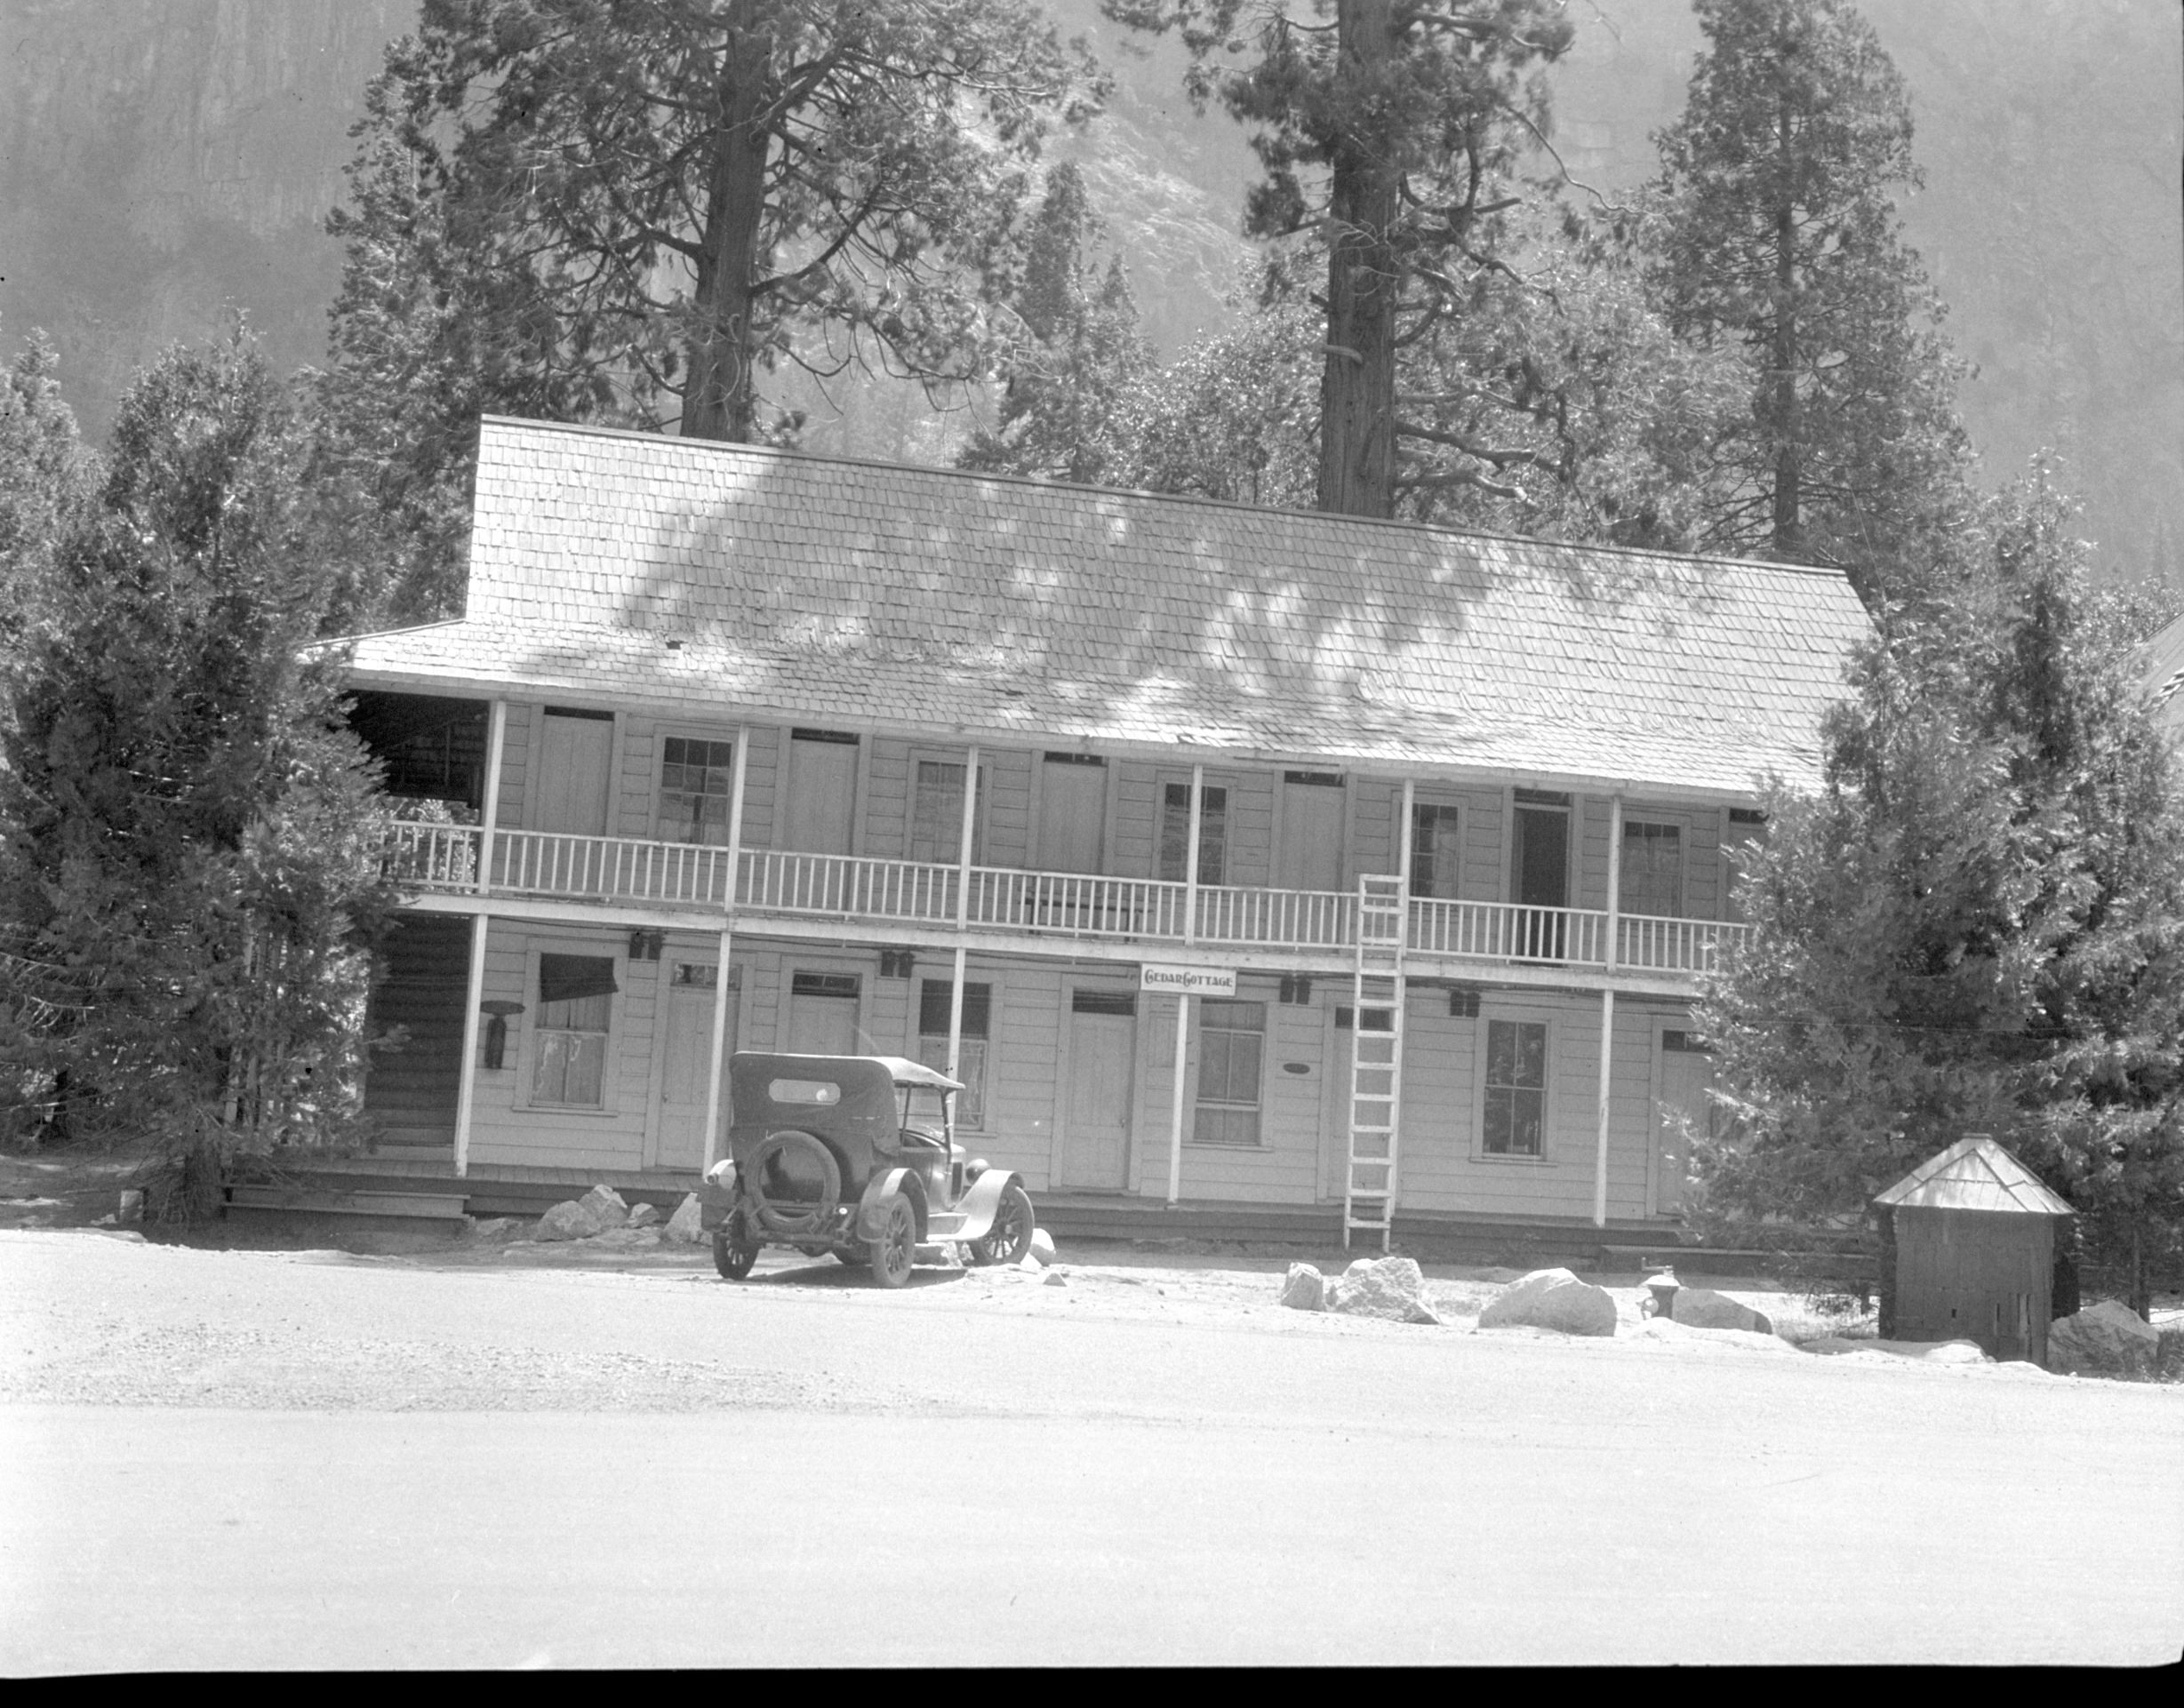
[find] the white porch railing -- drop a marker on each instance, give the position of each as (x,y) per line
(443,858)
(1493,930)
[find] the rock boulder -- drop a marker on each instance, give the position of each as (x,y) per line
(606,1207)
(1552,1298)
(643,1215)
(1304,1289)
(2169,1357)
(1042,1245)
(686,1226)
(1393,1287)
(1701,1307)
(571,1219)
(2105,1339)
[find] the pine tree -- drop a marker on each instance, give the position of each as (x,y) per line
(1978,925)
(1554,402)
(1781,234)
(586,209)
(1078,347)
(1412,118)
(44,473)
(186,835)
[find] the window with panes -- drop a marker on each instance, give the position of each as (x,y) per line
(576,1010)
(1516,1114)
(1434,851)
(934,997)
(1232,1037)
(1175,833)
(695,779)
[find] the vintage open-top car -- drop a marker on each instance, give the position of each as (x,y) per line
(855,1155)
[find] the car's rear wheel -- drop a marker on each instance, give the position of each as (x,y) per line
(1009,1239)
(895,1252)
(733,1253)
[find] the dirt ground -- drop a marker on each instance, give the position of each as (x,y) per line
(499,1456)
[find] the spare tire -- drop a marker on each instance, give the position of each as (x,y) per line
(794,1185)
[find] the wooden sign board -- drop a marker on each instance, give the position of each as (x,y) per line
(1191,981)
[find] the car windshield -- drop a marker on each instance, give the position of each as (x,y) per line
(923,1110)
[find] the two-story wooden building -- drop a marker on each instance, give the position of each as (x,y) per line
(741,749)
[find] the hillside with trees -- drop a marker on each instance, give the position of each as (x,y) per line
(163,161)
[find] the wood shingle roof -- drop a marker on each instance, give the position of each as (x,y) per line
(929,602)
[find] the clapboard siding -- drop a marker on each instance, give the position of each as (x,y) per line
(1443,1168)
(504,1128)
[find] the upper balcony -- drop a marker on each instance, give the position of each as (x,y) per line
(1059,911)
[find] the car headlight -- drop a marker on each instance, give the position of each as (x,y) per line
(722,1174)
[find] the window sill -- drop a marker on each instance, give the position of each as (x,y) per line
(1500,1159)
(561,1109)
(1231,1150)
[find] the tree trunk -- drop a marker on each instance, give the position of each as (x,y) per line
(720,393)
(1357,385)
(1788,428)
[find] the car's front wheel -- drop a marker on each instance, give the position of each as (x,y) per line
(1009,1239)
(895,1252)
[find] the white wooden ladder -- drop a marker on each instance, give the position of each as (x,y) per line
(1376,1057)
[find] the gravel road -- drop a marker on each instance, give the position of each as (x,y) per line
(251,1458)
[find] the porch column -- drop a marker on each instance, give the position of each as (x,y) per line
(727,933)
(963,909)
(1607,1007)
(489,814)
(1182,998)
(1405,837)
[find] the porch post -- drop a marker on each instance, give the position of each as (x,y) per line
(489,814)
(1182,998)
(1405,837)
(727,933)
(963,908)
(1607,1007)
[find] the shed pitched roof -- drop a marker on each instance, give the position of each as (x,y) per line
(930,601)
(1974,1174)
(2162,676)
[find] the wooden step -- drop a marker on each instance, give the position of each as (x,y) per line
(321,1200)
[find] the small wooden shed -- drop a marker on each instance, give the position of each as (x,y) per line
(1968,1252)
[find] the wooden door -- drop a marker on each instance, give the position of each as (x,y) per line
(821,793)
(1685,1075)
(822,1022)
(1311,851)
(1073,807)
(686,1071)
(1095,1140)
(1540,877)
(570,788)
